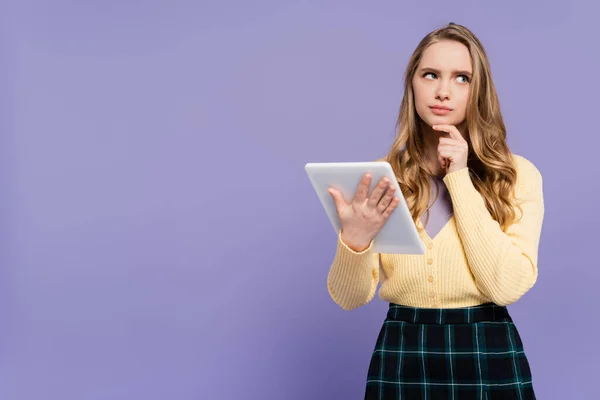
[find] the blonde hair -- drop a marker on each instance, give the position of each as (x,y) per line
(490,162)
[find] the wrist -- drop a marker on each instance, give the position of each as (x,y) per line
(354,243)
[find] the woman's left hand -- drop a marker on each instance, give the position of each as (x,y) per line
(453,151)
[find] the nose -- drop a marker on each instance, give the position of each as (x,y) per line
(443,91)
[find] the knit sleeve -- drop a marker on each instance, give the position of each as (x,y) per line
(504,264)
(353,276)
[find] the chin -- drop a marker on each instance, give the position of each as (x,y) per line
(442,120)
(438,120)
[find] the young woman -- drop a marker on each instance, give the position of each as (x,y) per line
(447,334)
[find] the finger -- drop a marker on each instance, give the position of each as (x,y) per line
(440,156)
(377,192)
(450,141)
(441,128)
(338,200)
(451,130)
(454,145)
(391,207)
(442,160)
(444,151)
(363,188)
(386,199)
(446,157)
(445,148)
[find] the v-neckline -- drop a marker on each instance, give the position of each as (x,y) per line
(436,237)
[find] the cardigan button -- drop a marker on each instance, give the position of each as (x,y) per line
(430,261)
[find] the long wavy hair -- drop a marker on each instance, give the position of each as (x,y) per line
(490,162)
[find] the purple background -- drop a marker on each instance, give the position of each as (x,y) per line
(160,239)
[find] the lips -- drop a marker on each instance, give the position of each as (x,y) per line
(440,110)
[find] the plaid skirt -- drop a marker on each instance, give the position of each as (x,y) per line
(461,353)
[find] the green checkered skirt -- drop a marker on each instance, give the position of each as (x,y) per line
(460,353)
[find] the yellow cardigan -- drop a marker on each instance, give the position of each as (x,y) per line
(471,261)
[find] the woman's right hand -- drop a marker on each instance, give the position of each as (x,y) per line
(366,214)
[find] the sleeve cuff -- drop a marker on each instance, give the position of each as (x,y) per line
(458,178)
(460,186)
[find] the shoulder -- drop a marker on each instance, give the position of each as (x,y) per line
(527,171)
(529,184)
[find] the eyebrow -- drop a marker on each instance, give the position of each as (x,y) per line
(437,71)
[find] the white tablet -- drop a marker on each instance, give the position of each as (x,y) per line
(399,235)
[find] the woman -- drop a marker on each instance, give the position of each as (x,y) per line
(447,334)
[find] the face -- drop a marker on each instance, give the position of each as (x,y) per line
(441,83)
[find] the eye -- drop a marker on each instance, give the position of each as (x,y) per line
(429,73)
(466,78)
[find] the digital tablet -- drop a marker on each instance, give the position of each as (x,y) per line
(399,234)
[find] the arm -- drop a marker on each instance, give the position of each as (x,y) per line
(504,264)
(353,276)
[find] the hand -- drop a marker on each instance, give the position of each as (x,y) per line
(365,215)
(453,151)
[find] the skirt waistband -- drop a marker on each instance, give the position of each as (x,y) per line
(488,312)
